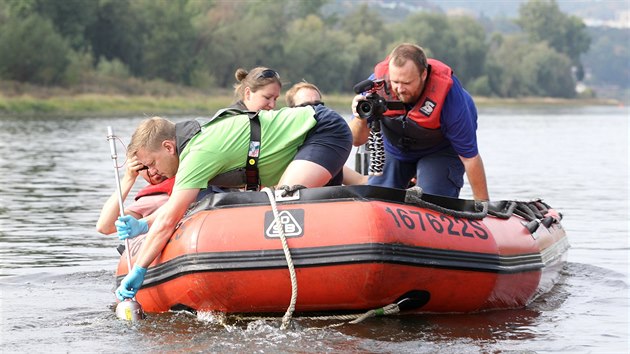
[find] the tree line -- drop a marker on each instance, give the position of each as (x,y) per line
(201,43)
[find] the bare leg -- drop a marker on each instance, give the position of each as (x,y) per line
(306,173)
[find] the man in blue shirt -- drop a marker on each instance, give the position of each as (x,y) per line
(434,138)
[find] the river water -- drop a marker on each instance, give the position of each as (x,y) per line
(56,271)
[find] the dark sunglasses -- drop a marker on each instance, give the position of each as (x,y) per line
(268,74)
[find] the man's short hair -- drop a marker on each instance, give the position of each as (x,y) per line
(150,134)
(407,51)
(290,95)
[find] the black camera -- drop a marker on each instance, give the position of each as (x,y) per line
(374,105)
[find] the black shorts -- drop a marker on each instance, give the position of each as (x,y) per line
(328,143)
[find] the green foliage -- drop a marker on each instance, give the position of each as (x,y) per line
(460,42)
(217,51)
(168,40)
(200,43)
(70,18)
(4,11)
(300,9)
(505,75)
(18,8)
(32,51)
(368,51)
(609,58)
(432,32)
(246,35)
(114,68)
(369,37)
(202,80)
(471,48)
(363,20)
(112,105)
(548,73)
(480,87)
(543,21)
(307,59)
(79,69)
(116,33)
(519,69)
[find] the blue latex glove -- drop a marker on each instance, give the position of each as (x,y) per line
(128,227)
(130,285)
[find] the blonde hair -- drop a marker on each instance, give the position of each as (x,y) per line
(289,97)
(150,134)
(407,51)
(254,80)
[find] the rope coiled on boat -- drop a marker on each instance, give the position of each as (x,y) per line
(286,319)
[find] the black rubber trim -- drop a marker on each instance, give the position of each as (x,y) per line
(346,254)
(331,194)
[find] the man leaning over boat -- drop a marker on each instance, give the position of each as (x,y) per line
(434,137)
(306,146)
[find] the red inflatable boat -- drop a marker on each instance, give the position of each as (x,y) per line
(355,248)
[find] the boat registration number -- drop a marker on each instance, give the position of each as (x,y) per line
(441,224)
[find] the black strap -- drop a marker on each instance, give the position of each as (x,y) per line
(251,165)
(184,131)
(252,177)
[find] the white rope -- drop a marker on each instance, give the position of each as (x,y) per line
(390,309)
(286,319)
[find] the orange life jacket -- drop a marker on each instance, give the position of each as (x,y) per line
(418,127)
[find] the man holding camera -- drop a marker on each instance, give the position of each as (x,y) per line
(434,137)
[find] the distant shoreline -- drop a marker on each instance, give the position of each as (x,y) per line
(105,105)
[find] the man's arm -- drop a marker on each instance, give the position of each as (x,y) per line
(476,175)
(164,224)
(111,209)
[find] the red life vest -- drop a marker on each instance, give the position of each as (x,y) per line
(426,112)
(166,187)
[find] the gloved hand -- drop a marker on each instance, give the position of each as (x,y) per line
(130,285)
(128,227)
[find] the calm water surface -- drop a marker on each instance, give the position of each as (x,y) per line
(56,272)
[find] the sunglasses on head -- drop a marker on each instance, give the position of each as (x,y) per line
(268,74)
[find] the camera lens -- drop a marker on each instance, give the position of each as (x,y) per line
(364,109)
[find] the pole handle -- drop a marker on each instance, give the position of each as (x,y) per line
(112,147)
